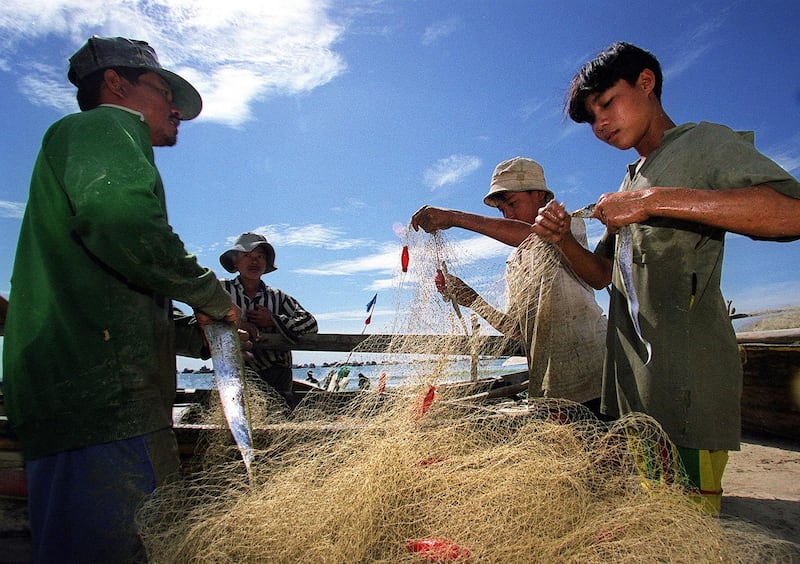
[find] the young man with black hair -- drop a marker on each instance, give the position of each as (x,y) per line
(689,186)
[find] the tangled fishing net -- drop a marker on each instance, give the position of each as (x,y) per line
(430,471)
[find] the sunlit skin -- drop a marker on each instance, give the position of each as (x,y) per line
(630,116)
(150,96)
(523,206)
(519,211)
(625,116)
(511,229)
(252,266)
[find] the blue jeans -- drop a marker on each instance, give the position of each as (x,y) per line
(82,503)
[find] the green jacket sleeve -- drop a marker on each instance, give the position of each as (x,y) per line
(120,215)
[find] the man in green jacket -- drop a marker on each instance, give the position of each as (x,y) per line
(90,343)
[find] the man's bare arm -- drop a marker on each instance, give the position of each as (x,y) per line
(509,231)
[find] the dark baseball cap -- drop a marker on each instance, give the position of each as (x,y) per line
(106,52)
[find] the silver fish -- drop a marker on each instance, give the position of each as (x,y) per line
(585,212)
(625,260)
(226,356)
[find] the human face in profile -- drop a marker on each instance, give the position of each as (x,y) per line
(152,97)
(626,115)
(523,206)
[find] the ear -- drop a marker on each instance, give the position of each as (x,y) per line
(114,83)
(646,80)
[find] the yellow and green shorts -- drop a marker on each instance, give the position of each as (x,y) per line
(697,471)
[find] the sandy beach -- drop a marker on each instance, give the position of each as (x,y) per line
(762,487)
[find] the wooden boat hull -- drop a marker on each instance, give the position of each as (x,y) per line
(771,389)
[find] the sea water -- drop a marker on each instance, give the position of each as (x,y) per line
(396,373)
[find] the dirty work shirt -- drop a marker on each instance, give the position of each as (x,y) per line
(692,385)
(89,351)
(563,328)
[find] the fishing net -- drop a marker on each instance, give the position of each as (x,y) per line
(434,468)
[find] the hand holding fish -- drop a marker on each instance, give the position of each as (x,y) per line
(616,209)
(246,343)
(245,337)
(233,316)
(552,223)
(250,329)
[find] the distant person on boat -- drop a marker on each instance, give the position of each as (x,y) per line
(326,381)
(569,359)
(267,309)
(90,345)
(310,377)
(662,254)
(339,383)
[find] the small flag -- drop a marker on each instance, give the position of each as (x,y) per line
(370,307)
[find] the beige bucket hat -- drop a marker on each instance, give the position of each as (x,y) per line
(516,175)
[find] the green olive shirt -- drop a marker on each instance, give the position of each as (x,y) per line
(89,350)
(692,385)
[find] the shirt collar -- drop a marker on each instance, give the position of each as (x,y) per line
(134,112)
(262,288)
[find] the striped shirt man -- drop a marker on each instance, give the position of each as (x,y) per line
(290,319)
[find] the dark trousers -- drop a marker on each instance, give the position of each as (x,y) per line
(82,503)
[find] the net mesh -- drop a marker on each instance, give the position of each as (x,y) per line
(432,469)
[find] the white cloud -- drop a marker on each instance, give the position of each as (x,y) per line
(530,109)
(788,157)
(440,29)
(235,53)
(478,248)
(694,43)
(350,205)
(354,315)
(11,209)
(60,93)
(312,235)
(450,170)
(387,261)
(384,261)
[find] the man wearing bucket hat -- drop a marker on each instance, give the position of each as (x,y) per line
(90,339)
(268,310)
(569,351)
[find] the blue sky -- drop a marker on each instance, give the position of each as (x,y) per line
(326,125)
